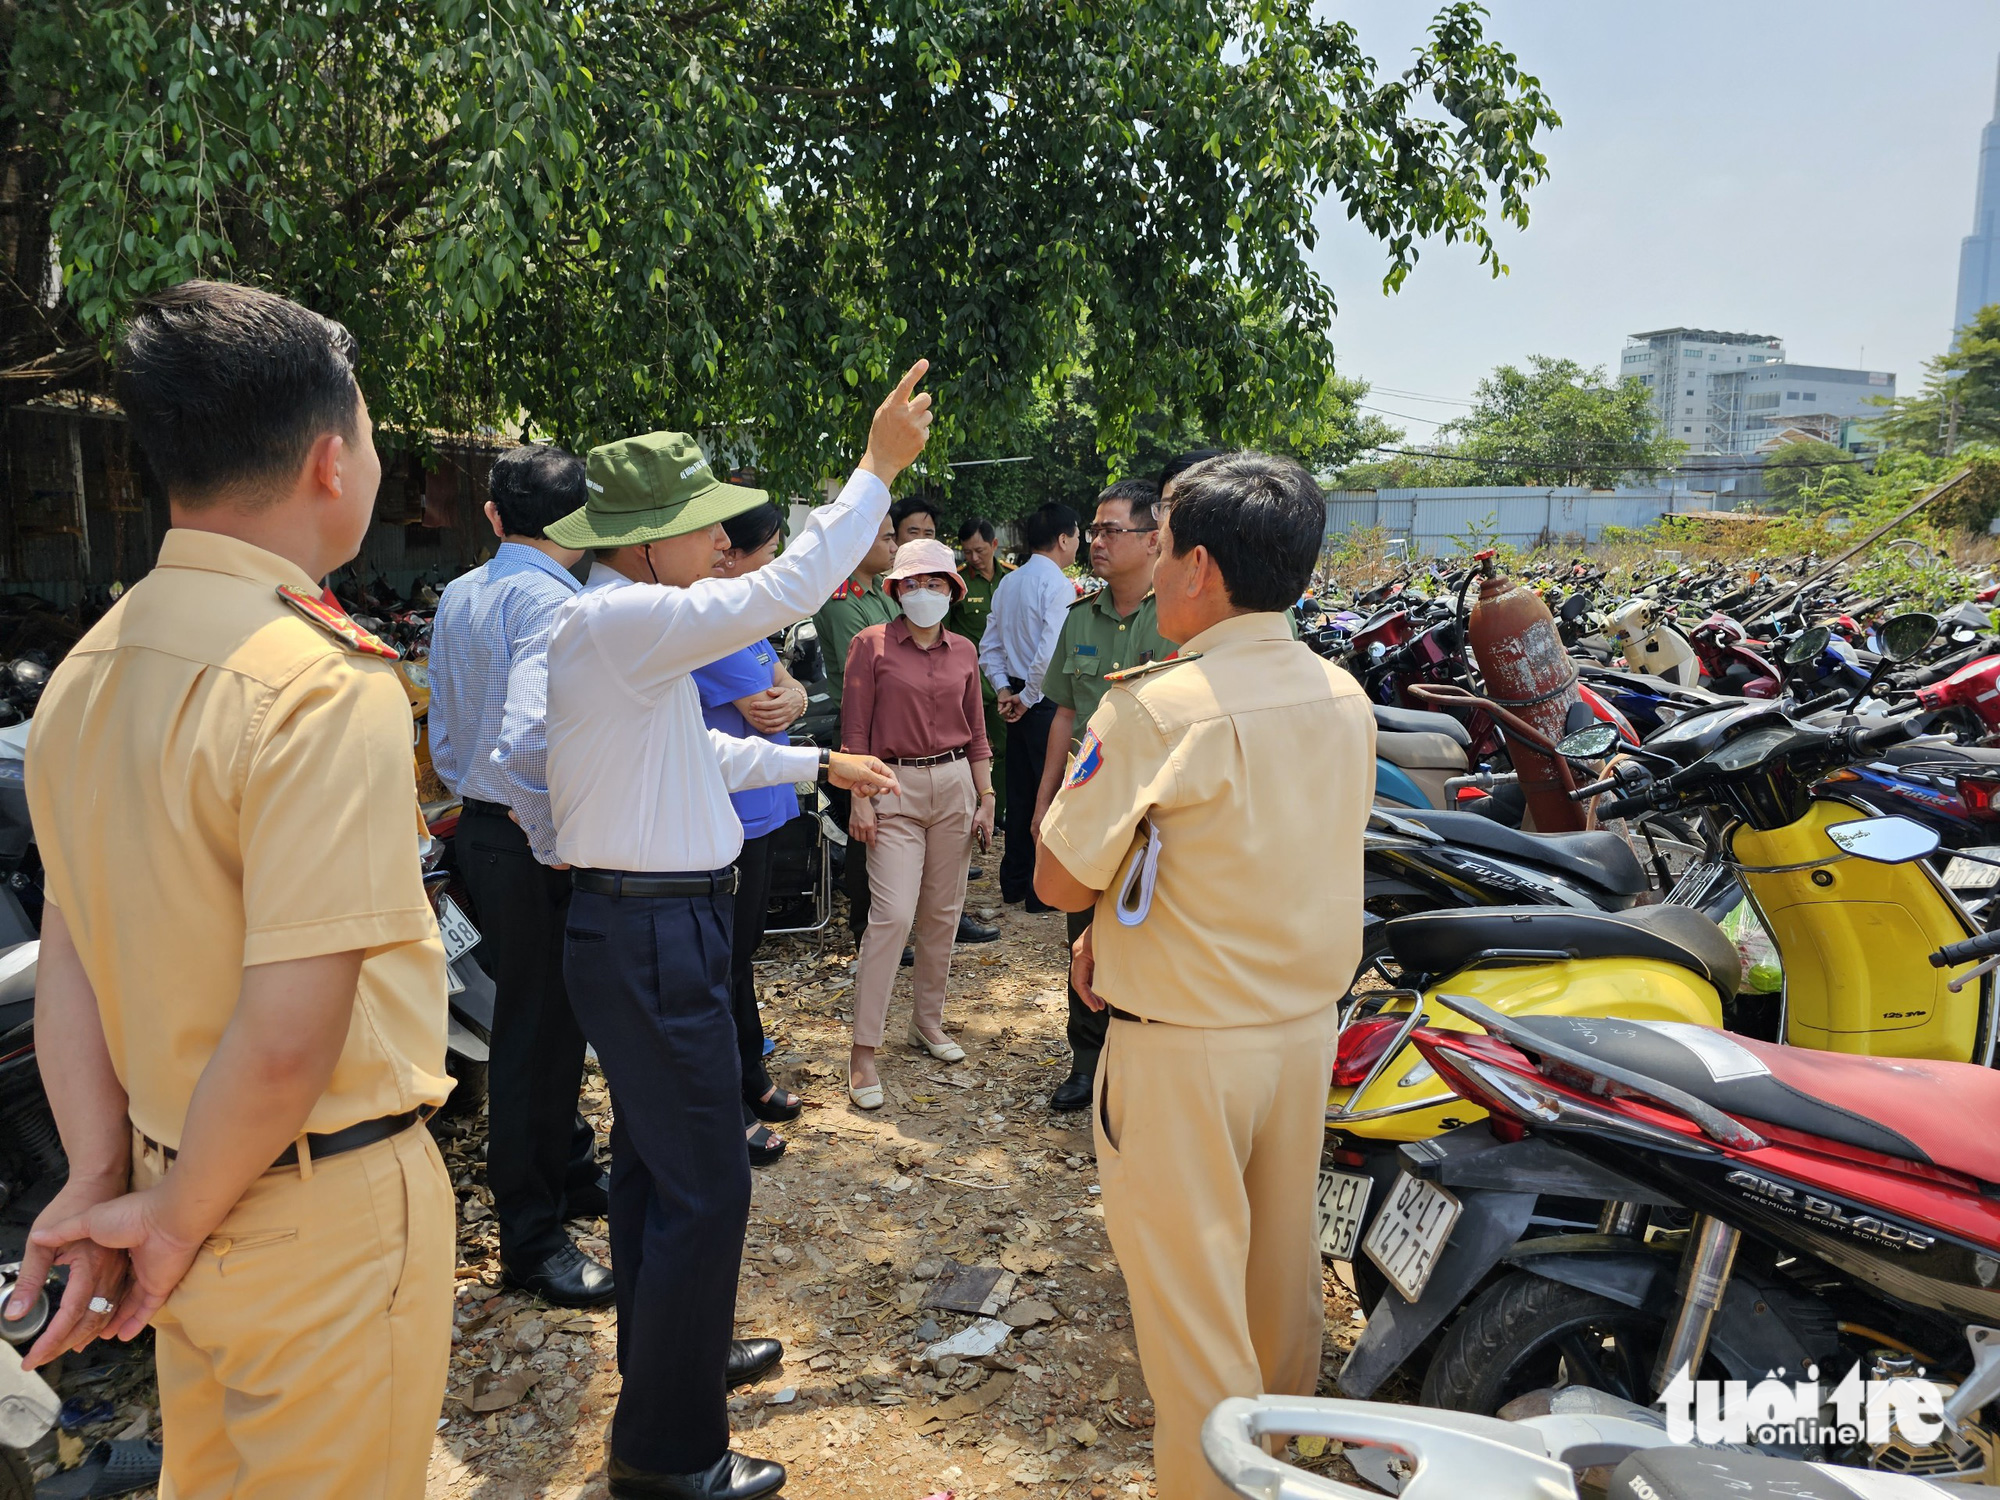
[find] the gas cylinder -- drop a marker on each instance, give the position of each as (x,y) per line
(1513,638)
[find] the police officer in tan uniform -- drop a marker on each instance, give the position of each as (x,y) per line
(241,1002)
(1213,816)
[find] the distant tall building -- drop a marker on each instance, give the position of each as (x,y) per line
(1979,253)
(1727,393)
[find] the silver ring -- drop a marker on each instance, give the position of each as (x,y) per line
(101,1305)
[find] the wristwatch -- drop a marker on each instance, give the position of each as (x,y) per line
(825,764)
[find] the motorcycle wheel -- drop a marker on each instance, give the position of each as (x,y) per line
(17,1480)
(1527,1333)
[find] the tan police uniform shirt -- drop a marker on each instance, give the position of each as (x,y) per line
(218,782)
(1253,761)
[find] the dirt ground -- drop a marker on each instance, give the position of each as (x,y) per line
(848,1236)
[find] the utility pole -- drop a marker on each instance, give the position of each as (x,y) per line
(1950,425)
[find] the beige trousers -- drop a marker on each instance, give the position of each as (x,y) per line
(304,1355)
(916,873)
(1208,1147)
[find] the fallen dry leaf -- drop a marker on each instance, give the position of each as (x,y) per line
(493,1392)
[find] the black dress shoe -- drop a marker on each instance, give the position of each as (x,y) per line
(1072,1093)
(592,1201)
(568,1278)
(975,873)
(970,931)
(1036,906)
(909,957)
(734,1476)
(750,1360)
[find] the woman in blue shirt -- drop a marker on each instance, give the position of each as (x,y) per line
(747,693)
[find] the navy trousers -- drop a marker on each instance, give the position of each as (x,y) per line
(649,978)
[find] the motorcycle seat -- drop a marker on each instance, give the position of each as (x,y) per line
(1419,721)
(1601,859)
(1915,755)
(1420,752)
(1441,942)
(1942,1114)
(1673,1473)
(1645,682)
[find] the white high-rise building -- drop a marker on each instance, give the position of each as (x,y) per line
(1728,393)
(1675,364)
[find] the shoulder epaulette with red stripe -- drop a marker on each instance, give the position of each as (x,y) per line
(319,609)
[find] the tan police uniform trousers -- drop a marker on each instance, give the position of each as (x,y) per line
(1208,1147)
(304,1356)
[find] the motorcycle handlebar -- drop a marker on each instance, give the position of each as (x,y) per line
(1624,807)
(1824,700)
(1951,955)
(1585,793)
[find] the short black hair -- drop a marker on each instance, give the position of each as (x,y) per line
(1141,497)
(534,485)
(1261,517)
(754,527)
(1048,524)
(911,505)
(1180,463)
(975,526)
(227,385)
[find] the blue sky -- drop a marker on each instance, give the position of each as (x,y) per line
(1803,170)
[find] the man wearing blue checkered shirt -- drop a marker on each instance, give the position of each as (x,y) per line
(493,624)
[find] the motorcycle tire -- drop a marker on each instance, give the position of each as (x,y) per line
(17,1480)
(1526,1333)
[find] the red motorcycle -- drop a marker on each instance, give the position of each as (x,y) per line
(1765,1211)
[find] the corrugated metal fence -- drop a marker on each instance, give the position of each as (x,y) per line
(1446,521)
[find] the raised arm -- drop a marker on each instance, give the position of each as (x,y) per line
(664,632)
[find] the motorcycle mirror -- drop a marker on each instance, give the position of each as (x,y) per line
(1593,742)
(1886,841)
(1905,635)
(1807,647)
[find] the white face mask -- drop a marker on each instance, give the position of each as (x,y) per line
(925,608)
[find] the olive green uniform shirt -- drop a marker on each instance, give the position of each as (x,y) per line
(1095,640)
(845,615)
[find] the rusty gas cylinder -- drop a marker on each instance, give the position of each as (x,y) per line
(1514,639)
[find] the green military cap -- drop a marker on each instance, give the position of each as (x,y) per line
(646,489)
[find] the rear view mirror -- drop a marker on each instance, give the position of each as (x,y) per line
(1593,742)
(1886,841)
(1808,646)
(1906,635)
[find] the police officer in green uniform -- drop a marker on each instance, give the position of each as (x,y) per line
(859,602)
(983,571)
(1108,631)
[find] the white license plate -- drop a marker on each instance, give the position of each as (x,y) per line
(457,929)
(1963,875)
(1409,1233)
(1342,1205)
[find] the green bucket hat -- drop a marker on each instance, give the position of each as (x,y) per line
(646,489)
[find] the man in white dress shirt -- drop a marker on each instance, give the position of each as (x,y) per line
(1028,609)
(639,790)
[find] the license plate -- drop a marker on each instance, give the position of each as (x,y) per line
(1963,875)
(1409,1233)
(459,934)
(1342,1205)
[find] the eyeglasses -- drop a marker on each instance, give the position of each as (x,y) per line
(1092,533)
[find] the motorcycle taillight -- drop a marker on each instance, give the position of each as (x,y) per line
(1361,1047)
(1981,798)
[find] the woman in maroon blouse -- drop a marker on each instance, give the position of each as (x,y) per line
(911,696)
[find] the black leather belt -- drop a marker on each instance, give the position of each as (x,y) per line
(353,1138)
(625,883)
(926,760)
(1125,1015)
(489,809)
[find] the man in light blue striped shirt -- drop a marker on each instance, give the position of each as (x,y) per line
(541,1163)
